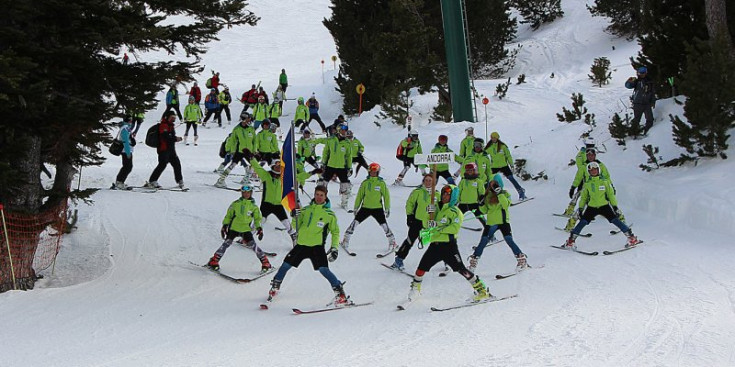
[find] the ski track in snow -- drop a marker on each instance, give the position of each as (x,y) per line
(124,294)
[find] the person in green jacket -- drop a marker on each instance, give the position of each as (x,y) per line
(283,80)
(314,223)
(465,148)
(580,178)
(306,147)
(192,117)
(442,170)
(260,112)
(495,209)
(480,158)
(471,191)
(372,200)
(240,142)
(580,160)
(443,247)
(357,150)
(337,156)
(225,98)
(502,161)
(270,202)
(407,150)
(242,216)
(266,144)
(418,209)
(301,115)
(598,198)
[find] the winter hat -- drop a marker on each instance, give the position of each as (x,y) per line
(495,135)
(642,70)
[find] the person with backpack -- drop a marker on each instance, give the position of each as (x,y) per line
(249,98)
(172,101)
(192,117)
(643,98)
(301,115)
(283,80)
(196,93)
(260,112)
(242,217)
(407,150)
(166,149)
(314,222)
(224,101)
(495,207)
(214,81)
(372,200)
(501,161)
(128,141)
(313,105)
(212,105)
(240,144)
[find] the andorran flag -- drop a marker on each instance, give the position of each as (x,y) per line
(288,172)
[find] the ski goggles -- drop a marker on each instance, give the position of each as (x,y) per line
(245,188)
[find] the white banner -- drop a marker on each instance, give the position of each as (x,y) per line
(434,158)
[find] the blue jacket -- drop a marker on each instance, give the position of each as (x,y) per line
(313,106)
(172,97)
(211,102)
(644,92)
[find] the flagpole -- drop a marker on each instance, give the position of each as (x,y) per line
(295,169)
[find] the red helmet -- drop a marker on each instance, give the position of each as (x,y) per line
(443,138)
(470,166)
(374,167)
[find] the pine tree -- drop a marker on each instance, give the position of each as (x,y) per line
(600,70)
(710,111)
(537,12)
(61,81)
(625,16)
(578,110)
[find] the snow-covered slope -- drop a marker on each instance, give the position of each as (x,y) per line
(124,294)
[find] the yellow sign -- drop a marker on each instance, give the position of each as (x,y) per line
(334,58)
(360,89)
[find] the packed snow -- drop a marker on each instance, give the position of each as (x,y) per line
(123,293)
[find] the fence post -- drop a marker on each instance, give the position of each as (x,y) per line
(7,242)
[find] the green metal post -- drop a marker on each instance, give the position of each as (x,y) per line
(459,76)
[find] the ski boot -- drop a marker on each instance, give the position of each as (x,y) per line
(181,185)
(632,240)
(522,262)
(214,262)
(569,244)
(473,263)
(221,181)
(219,169)
(265,265)
(398,264)
(398,181)
(152,185)
(481,291)
(522,194)
(275,286)
(119,185)
(340,299)
(186,140)
(415,291)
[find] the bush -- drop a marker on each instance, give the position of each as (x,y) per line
(600,71)
(502,89)
(578,109)
(537,12)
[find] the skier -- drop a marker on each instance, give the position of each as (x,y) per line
(192,117)
(283,80)
(501,161)
(643,98)
(212,105)
(581,177)
(339,121)
(598,198)
(242,216)
(249,98)
(443,247)
(477,156)
(224,101)
(274,112)
(471,191)
(301,115)
(270,203)
(279,96)
(260,112)
(262,93)
(128,141)
(337,156)
(465,147)
(196,93)
(306,147)
(418,209)
(240,143)
(407,150)
(313,105)
(372,200)
(172,101)
(580,161)
(495,210)
(166,149)
(357,150)
(442,170)
(266,145)
(214,81)
(314,223)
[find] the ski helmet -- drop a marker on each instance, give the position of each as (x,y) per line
(374,167)
(495,135)
(642,70)
(453,192)
(350,134)
(478,143)
(276,168)
(592,150)
(470,166)
(593,165)
(443,138)
(470,130)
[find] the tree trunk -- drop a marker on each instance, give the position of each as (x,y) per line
(716,13)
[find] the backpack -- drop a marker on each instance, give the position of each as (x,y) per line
(151,136)
(222,151)
(399,151)
(209,83)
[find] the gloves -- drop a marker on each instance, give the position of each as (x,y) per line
(617,211)
(295,212)
(571,192)
(316,171)
(410,219)
(247,154)
(224,230)
(387,213)
(431,224)
(332,254)
(259,232)
(431,208)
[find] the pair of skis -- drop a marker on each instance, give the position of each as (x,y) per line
(403,306)
(595,253)
(231,278)
(146,189)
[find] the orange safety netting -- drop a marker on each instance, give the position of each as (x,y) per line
(33,241)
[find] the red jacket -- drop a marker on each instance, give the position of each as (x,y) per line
(250,97)
(166,136)
(196,93)
(215,81)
